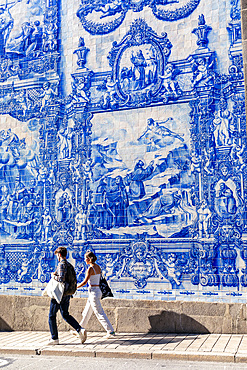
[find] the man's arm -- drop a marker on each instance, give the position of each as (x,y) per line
(60,272)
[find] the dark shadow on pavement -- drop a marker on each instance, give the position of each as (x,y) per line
(173,322)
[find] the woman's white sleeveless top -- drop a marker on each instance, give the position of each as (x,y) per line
(94,279)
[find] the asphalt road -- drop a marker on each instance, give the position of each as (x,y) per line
(64,363)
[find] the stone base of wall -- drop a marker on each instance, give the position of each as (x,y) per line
(135,316)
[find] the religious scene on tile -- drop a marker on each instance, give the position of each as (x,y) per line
(123,131)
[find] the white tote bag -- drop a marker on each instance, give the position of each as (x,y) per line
(54,289)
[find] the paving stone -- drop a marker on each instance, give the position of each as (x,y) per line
(209,343)
(221,343)
(186,342)
(233,344)
(243,345)
(198,342)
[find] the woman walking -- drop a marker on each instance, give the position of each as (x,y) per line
(93,303)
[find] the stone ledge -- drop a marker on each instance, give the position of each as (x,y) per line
(137,316)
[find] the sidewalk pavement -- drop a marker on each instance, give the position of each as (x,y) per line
(197,347)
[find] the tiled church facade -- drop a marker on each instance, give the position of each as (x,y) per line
(123,131)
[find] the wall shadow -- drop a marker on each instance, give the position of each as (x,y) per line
(4,326)
(173,322)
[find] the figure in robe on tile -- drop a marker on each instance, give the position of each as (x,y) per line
(225,203)
(6,24)
(4,201)
(36,37)
(139,63)
(136,178)
(63,145)
(161,203)
(223,125)
(17,201)
(64,208)
(117,202)
(20,44)
(29,217)
(151,67)
(11,141)
(125,77)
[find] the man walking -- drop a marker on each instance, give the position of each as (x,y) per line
(60,275)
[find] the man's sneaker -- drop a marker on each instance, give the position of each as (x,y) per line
(53,342)
(110,335)
(82,335)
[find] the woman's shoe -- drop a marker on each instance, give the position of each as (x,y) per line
(110,335)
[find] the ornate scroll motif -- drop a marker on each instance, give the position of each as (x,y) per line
(111,14)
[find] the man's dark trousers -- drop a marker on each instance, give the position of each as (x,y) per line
(64,309)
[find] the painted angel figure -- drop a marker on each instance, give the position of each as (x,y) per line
(201,69)
(87,170)
(110,263)
(172,271)
(157,133)
(48,94)
(171,87)
(204,215)
(236,155)
(79,90)
(112,8)
(209,159)
(109,96)
(23,101)
(75,169)
(196,161)
(23,271)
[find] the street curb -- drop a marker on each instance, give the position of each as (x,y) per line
(122,354)
(162,355)
(194,356)
(54,352)
(11,351)
(241,358)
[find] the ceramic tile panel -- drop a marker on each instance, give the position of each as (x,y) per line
(123,131)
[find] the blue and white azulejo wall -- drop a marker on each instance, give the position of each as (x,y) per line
(123,131)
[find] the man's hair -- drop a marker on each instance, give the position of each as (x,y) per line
(62,251)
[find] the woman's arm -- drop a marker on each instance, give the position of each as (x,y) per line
(88,274)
